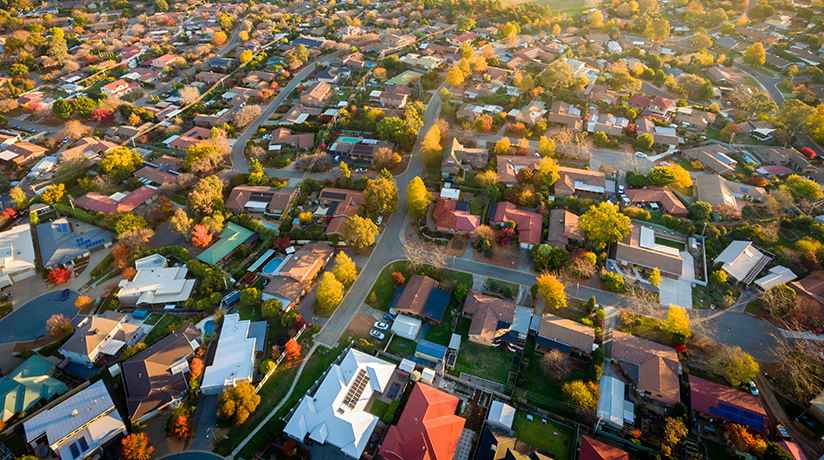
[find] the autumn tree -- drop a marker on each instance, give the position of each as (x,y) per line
(581,394)
(455,76)
(745,441)
(345,270)
(548,168)
(54,193)
(674,430)
(329,292)
(552,291)
(136,238)
(734,364)
(398,279)
(119,163)
(178,426)
(502,146)
(386,158)
(136,447)
(380,196)
(292,349)
(181,223)
(431,147)
(271,308)
(250,297)
(201,237)
(246,115)
(677,322)
(655,277)
(59,276)
(238,403)
(58,324)
(188,95)
(206,195)
(755,55)
(605,224)
(83,302)
(417,197)
(74,129)
(219,38)
(19,197)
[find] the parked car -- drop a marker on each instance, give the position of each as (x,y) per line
(782,431)
(376,334)
(640,154)
(65,294)
(360,170)
(753,388)
(621,189)
(337,158)
(380,325)
(388,317)
(379,221)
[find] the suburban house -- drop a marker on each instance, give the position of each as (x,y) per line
(452,216)
(663,196)
(333,75)
(192,137)
(394,96)
(532,113)
(62,240)
(21,152)
(713,401)
(580,182)
(653,367)
(786,157)
(811,287)
(564,229)
(694,119)
(337,205)
(566,114)
(89,147)
(725,75)
(163,61)
(497,445)
(720,192)
(234,360)
(155,377)
(30,383)
(527,223)
(298,114)
(249,199)
(284,136)
(294,275)
(639,249)
(566,336)
(336,413)
(742,260)
(232,237)
(118,88)
(78,427)
(118,202)
(156,284)
(428,428)
(456,156)
(606,123)
(422,296)
(317,94)
(713,157)
(209,77)
(98,336)
(761,130)
(775,276)
(510,165)
(422,62)
(592,449)
(496,321)
(17,257)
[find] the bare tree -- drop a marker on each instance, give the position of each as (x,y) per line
(799,359)
(419,255)
(7,105)
(573,143)
(189,95)
(74,129)
(556,364)
(246,115)
(137,238)
(71,66)
(314,162)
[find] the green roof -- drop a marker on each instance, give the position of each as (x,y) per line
(230,238)
(30,382)
(405,78)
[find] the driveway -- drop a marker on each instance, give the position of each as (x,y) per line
(675,292)
(205,417)
(29,321)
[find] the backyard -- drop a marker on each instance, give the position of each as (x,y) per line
(167,324)
(544,434)
(401,347)
(491,363)
(442,333)
(644,327)
(537,380)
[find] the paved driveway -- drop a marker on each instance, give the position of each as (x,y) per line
(676,292)
(29,321)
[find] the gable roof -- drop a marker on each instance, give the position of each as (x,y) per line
(654,367)
(662,195)
(26,385)
(592,449)
(567,332)
(528,224)
(487,312)
(563,226)
(304,264)
(96,202)
(448,216)
(93,330)
(230,238)
(423,296)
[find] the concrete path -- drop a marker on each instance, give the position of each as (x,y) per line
(205,418)
(86,276)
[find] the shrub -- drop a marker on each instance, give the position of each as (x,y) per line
(612,282)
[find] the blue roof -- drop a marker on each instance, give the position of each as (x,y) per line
(428,348)
(435,305)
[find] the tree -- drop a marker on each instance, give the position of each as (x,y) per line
(54,193)
(581,394)
(775,452)
(62,109)
(128,222)
(486,179)
(759,106)
(417,197)
(700,210)
(804,188)
(552,290)
(644,142)
(180,222)
(219,38)
(205,153)
(59,275)
(136,238)
(662,175)
(246,56)
(188,95)
(238,403)
(546,146)
(58,324)
(502,146)
(702,41)
(682,176)
(734,364)
(655,277)
(548,168)
(250,297)
(360,232)
(674,430)
(466,24)
(755,55)
(677,322)
(548,258)
(455,76)
(793,116)
(271,308)
(718,278)
(380,195)
(292,349)
(119,163)
(256,174)
(605,224)
(74,129)
(329,292)
(57,49)
(398,279)
(201,237)
(19,197)
(83,302)
(84,106)
(136,447)
(246,115)
(18,70)
(345,270)
(386,158)
(206,196)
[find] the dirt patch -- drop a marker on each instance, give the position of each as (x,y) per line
(501,257)
(43,341)
(361,325)
(456,247)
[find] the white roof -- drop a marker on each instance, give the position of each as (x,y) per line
(235,355)
(16,250)
(406,326)
(778,275)
(502,414)
(151,261)
(611,402)
(8,155)
(739,258)
(326,417)
(450,193)
(407,366)
(159,285)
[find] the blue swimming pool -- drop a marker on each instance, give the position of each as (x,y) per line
(209,327)
(268,225)
(272,265)
(351,140)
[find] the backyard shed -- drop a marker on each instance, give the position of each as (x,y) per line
(406,327)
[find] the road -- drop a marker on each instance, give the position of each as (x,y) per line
(29,321)
(766,389)
(231,43)
(239,162)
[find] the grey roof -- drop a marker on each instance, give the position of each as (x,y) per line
(257,330)
(60,247)
(58,422)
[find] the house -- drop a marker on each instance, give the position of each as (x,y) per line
(284,136)
(299,114)
(459,39)
(30,383)
(532,113)
(156,377)
(79,427)
(337,206)
(406,78)
(428,428)
(62,240)
(780,20)
(295,274)
(564,229)
(742,260)
(89,147)
(22,152)
(496,321)
(528,224)
(457,157)
(355,60)
(565,114)
(663,196)
(475,90)
(606,123)
(761,130)
(510,165)
(17,256)
(250,199)
(163,61)
(118,88)
(394,96)
(190,138)
(97,336)
(725,76)
(234,360)
(777,276)
(210,77)
(117,202)
(726,43)
(566,336)
(432,354)
(812,288)
(694,119)
(336,413)
(661,105)
(714,157)
(592,449)
(713,401)
(720,192)
(639,249)
(653,367)
(422,62)
(496,445)
(316,94)
(501,416)
(422,296)
(156,285)
(452,216)
(785,156)
(333,75)
(232,236)
(603,94)
(579,182)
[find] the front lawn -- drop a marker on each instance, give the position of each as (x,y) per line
(168,324)
(384,288)
(544,434)
(644,327)
(491,363)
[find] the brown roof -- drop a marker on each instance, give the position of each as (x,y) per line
(568,177)
(567,332)
(597,450)
(285,288)
(154,175)
(486,311)
(812,286)
(151,382)
(529,224)
(415,294)
(349,201)
(662,195)
(654,367)
(563,226)
(307,262)
(94,329)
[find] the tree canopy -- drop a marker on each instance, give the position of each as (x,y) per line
(605,224)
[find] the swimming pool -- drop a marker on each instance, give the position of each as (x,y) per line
(267,225)
(351,140)
(209,327)
(272,265)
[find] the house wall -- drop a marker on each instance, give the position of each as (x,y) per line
(76,358)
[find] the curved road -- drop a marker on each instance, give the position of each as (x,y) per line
(29,321)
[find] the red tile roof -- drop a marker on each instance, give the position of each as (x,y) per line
(96,202)
(527,223)
(706,394)
(596,450)
(428,428)
(448,218)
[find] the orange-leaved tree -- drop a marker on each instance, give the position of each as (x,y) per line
(201,236)
(292,349)
(136,447)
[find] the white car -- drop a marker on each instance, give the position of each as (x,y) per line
(380,325)
(377,335)
(360,170)
(379,221)
(621,189)
(640,154)
(753,388)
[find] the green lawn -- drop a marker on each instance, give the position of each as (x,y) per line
(476,206)
(153,319)
(168,324)
(491,363)
(673,244)
(384,288)
(534,379)
(378,408)
(401,347)
(646,328)
(551,437)
(750,81)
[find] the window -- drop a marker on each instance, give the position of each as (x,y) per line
(84,446)
(75,450)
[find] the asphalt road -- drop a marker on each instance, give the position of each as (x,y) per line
(29,321)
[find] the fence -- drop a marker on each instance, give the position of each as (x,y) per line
(320,379)
(277,362)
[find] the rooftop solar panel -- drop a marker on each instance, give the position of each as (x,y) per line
(332,196)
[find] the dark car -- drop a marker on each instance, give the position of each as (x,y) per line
(388,317)
(65,294)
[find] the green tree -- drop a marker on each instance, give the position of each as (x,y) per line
(56,47)
(794,116)
(345,270)
(360,232)
(417,197)
(119,163)
(54,193)
(270,308)
(466,24)
(661,175)
(256,174)
(655,277)
(548,258)
(548,168)
(755,55)
(161,6)
(605,224)
(18,70)
(84,106)
(581,394)
(380,195)
(776,452)
(250,297)
(759,106)
(62,109)
(329,292)
(128,222)
(203,152)
(552,290)
(644,142)
(804,188)
(734,364)
(700,210)
(718,278)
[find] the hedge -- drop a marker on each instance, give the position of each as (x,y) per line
(389,415)
(85,216)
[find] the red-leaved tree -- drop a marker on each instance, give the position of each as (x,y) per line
(178,427)
(281,243)
(196,367)
(129,273)
(102,116)
(398,279)
(299,323)
(201,236)
(121,256)
(292,349)
(136,447)
(59,275)
(808,152)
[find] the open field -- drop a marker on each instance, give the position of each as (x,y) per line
(570,7)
